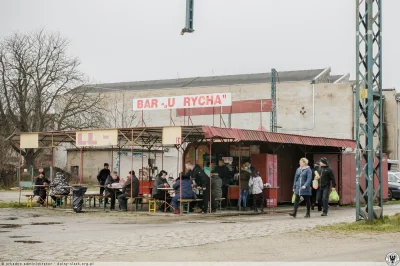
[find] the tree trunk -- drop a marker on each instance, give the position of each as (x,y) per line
(29,158)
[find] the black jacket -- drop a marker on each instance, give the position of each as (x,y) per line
(158,183)
(103,174)
(126,188)
(224,174)
(326,174)
(201,178)
(39,182)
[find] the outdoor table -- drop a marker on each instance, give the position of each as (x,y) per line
(166,189)
(115,192)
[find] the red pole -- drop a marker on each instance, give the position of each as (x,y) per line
(81,172)
(220,117)
(52,164)
(112,159)
(19,175)
(240,165)
(162,157)
(210,203)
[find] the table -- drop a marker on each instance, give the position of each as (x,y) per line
(115,193)
(166,189)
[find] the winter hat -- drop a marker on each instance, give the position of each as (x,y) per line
(324,161)
(59,175)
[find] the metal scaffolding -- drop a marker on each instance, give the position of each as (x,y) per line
(369,110)
(273,98)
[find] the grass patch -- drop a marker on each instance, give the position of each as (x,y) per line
(12,205)
(388,224)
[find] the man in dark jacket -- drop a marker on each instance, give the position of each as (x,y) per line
(226,176)
(245,175)
(186,189)
(102,177)
(131,185)
(202,180)
(325,180)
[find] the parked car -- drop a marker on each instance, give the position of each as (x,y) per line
(394,185)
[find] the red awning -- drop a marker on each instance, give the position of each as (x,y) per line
(261,136)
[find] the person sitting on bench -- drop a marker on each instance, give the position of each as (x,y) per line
(40,188)
(187,191)
(160,182)
(59,187)
(112,193)
(131,184)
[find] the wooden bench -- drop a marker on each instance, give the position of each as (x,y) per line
(94,197)
(219,203)
(66,198)
(29,200)
(185,203)
(136,199)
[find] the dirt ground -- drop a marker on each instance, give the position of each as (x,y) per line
(104,236)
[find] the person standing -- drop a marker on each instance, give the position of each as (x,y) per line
(257,186)
(314,191)
(245,175)
(102,177)
(302,187)
(326,177)
(131,184)
(202,180)
(216,185)
(226,176)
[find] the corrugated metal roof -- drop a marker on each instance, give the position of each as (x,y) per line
(254,135)
(284,76)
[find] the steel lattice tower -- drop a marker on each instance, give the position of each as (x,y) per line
(369,109)
(273,98)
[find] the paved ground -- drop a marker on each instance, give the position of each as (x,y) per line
(104,236)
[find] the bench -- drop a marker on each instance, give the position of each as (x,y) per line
(29,200)
(219,203)
(94,197)
(186,204)
(136,199)
(66,198)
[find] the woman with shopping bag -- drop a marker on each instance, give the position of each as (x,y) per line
(302,187)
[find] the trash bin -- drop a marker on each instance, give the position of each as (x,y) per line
(77,197)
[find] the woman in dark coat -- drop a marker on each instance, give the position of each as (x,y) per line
(302,186)
(187,191)
(41,184)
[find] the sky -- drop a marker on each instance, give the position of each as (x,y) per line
(131,40)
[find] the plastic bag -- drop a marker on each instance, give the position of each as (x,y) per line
(78,193)
(293,198)
(315,184)
(334,196)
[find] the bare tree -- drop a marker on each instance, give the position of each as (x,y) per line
(119,112)
(37,87)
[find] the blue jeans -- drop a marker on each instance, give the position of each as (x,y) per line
(243,196)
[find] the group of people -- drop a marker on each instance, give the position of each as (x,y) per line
(303,189)
(111,186)
(211,184)
(58,187)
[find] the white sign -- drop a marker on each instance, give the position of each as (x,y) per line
(186,101)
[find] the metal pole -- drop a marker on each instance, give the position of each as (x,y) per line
(112,159)
(210,202)
(239,169)
(130,205)
(81,174)
(19,176)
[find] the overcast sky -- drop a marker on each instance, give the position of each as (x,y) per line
(140,39)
